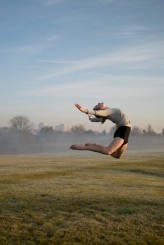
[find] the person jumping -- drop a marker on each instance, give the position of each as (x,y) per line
(101,113)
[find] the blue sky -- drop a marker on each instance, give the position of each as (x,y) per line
(54,53)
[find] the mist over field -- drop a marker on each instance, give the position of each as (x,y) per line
(59,144)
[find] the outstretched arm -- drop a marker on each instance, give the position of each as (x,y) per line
(86,111)
(81,108)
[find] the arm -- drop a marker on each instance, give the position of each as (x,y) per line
(95,119)
(103,113)
(86,111)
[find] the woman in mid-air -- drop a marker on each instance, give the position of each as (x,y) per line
(101,113)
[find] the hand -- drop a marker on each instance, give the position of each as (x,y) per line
(81,108)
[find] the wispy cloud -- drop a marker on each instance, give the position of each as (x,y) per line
(92,63)
(32,48)
(24,48)
(105,85)
(106,1)
(130,56)
(53,38)
(131,31)
(52,2)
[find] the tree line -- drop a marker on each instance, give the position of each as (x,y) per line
(22,125)
(21,136)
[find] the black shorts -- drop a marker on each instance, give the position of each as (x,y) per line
(123,132)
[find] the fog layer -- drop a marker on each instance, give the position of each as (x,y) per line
(59,143)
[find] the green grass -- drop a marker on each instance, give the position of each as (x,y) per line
(86,199)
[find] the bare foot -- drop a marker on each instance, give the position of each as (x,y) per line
(77,147)
(88,144)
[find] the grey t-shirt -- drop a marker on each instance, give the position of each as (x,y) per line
(115,115)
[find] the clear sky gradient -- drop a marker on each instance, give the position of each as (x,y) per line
(54,53)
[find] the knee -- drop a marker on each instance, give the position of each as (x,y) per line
(115,155)
(108,152)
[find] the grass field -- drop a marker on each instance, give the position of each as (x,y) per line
(85,199)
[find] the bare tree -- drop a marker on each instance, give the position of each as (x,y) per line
(136,131)
(47,130)
(21,123)
(162,132)
(78,129)
(149,131)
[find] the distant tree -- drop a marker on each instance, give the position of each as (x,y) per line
(46,130)
(162,132)
(21,123)
(149,131)
(46,133)
(136,131)
(78,129)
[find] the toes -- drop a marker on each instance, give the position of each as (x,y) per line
(72,147)
(77,147)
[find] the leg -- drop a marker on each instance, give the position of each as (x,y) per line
(115,144)
(119,152)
